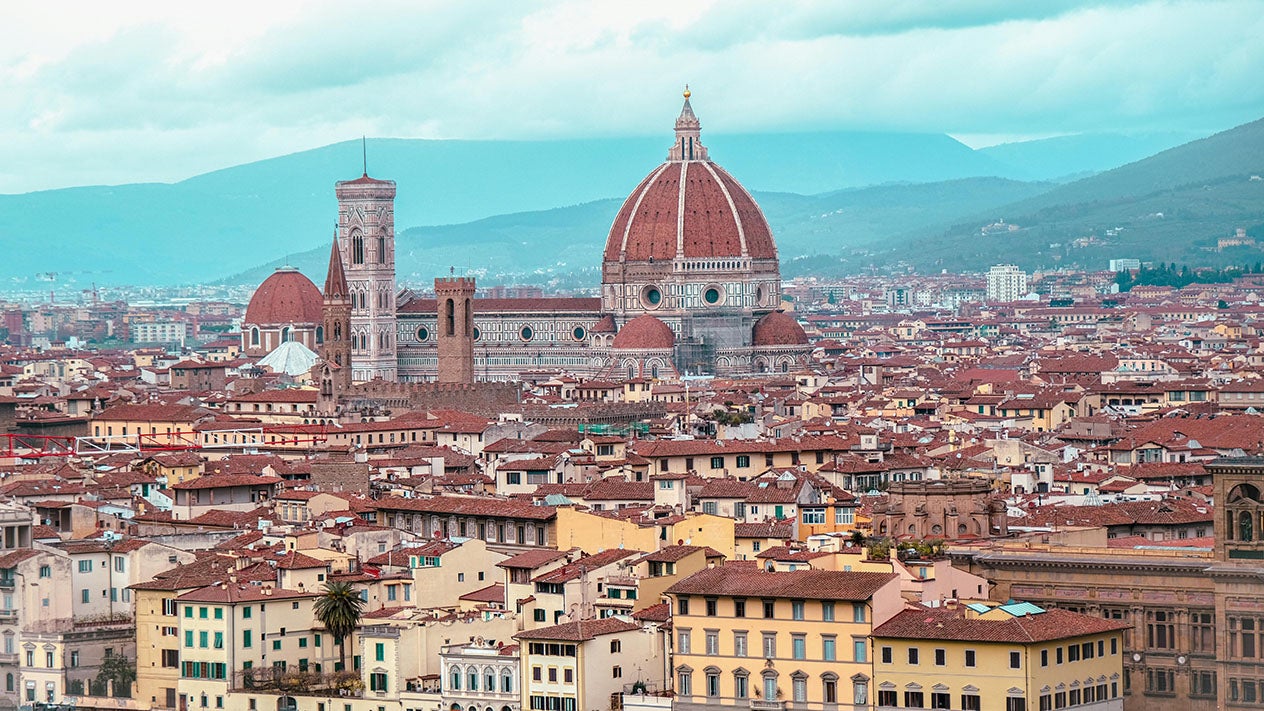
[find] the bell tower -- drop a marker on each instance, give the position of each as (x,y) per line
(454,304)
(366,239)
(335,347)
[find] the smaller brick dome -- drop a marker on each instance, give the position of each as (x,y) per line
(286,297)
(779,329)
(643,333)
(605,325)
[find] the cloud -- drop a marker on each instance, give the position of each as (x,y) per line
(161,92)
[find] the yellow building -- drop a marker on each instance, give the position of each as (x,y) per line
(746,638)
(236,636)
(1015,657)
(598,531)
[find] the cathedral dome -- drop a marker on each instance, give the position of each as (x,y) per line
(689,208)
(286,297)
(644,333)
(779,329)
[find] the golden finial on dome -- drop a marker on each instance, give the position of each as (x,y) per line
(687,92)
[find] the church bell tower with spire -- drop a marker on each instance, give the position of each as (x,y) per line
(366,241)
(335,349)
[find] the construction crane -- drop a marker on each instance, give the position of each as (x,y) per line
(51,278)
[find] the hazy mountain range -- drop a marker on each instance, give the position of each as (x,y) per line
(539,211)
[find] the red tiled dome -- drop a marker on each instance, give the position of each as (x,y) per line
(605,325)
(779,329)
(720,219)
(644,332)
(283,298)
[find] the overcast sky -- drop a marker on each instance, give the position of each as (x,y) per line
(105,92)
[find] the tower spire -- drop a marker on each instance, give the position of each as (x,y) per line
(688,145)
(336,277)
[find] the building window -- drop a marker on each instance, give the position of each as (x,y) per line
(684,683)
(844,515)
(827,611)
(770,645)
(796,609)
(813,516)
(711,607)
(887,654)
(682,641)
(743,461)
(713,683)
(969,657)
(741,686)
(940,700)
(713,642)
(1015,703)
(799,646)
(860,650)
(1015,660)
(1162,681)
(769,608)
(914,699)
(829,648)
(970,702)
(739,644)
(858,613)
(682,606)
(912,655)
(1161,630)
(717,462)
(887,697)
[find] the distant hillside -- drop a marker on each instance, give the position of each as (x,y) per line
(1064,156)
(1170,207)
(562,247)
(232,219)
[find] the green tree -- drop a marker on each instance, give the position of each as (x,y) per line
(118,669)
(340,609)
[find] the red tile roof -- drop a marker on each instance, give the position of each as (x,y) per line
(945,624)
(808,584)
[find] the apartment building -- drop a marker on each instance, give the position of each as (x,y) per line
(1016,657)
(755,639)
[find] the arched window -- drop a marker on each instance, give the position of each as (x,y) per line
(506,683)
(357,249)
(320,334)
(254,336)
(455,683)
(381,250)
(631,371)
(337,331)
(8,682)
(285,334)
(473,679)
(449,317)
(489,681)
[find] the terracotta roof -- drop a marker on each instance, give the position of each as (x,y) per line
(579,631)
(285,297)
(644,332)
(491,593)
(588,563)
(779,329)
(468,506)
(808,584)
(672,554)
(688,210)
(531,560)
(944,624)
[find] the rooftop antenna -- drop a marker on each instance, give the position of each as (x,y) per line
(364,153)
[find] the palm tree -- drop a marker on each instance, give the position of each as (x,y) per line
(340,609)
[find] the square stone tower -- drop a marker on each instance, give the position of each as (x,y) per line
(454,306)
(366,237)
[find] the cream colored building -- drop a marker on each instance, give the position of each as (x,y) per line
(746,638)
(579,666)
